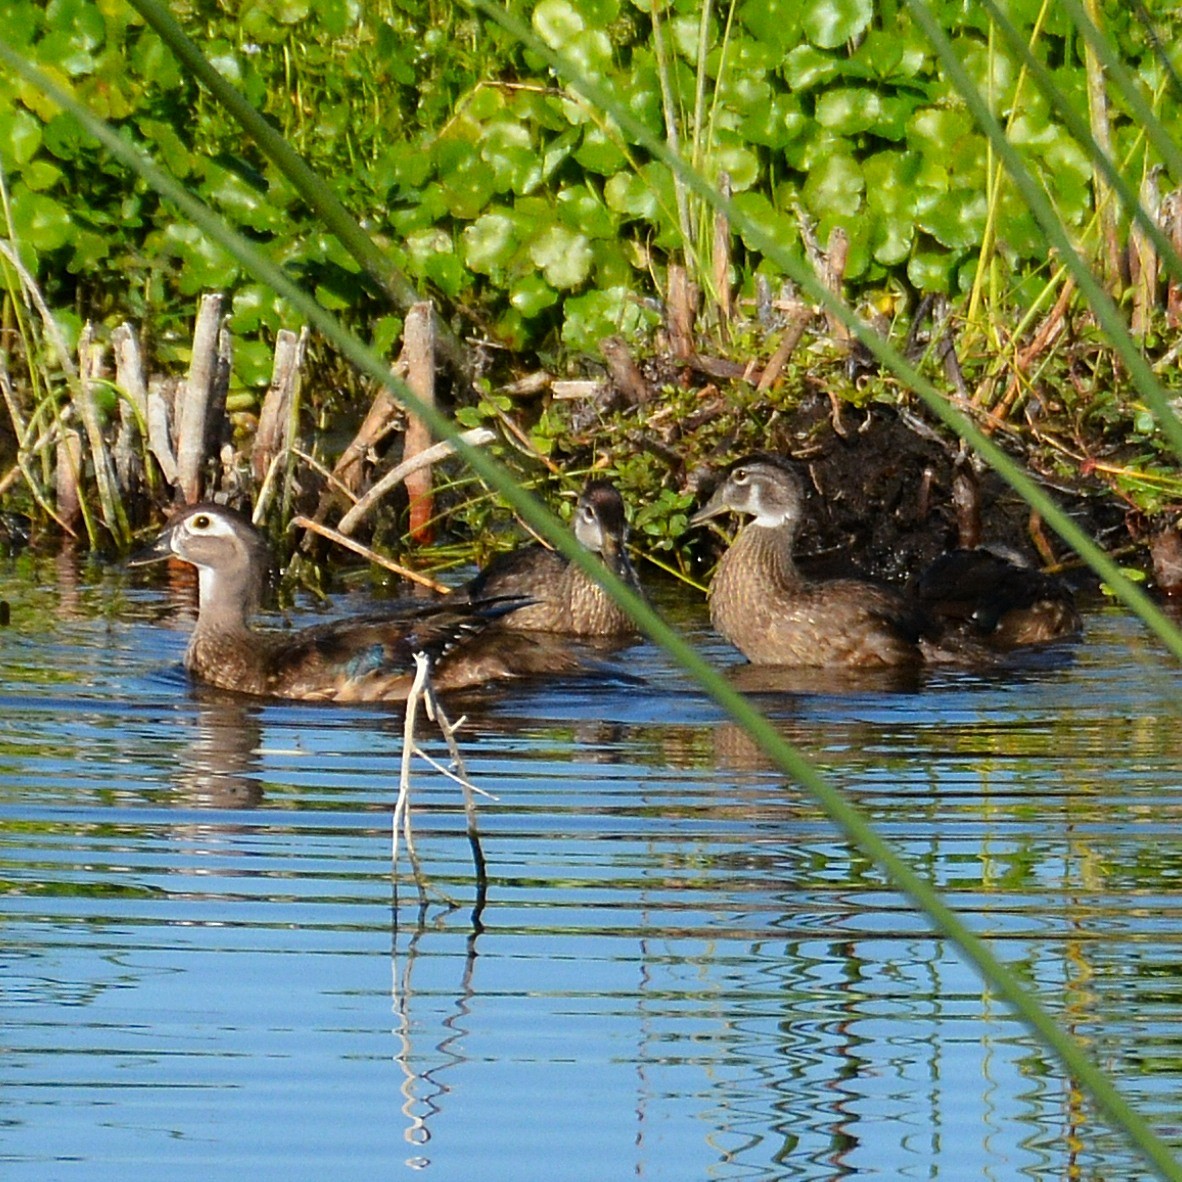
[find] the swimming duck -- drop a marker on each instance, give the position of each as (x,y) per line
(565,599)
(356,660)
(764,606)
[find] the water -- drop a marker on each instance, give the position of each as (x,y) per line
(681,971)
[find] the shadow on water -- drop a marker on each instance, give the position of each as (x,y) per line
(680,971)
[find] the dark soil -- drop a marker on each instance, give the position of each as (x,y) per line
(889,493)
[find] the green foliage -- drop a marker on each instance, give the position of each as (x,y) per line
(504,192)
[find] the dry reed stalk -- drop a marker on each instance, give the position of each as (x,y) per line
(162,393)
(418,351)
(67,492)
(276,426)
(1143,258)
(382,419)
(196,399)
(90,370)
(332,535)
(721,259)
(798,319)
(681,312)
(1172,218)
(476,437)
(833,276)
(133,408)
(1101,128)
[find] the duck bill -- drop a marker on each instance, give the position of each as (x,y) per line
(715,507)
(158,551)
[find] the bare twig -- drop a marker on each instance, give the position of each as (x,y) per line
(476,437)
(423,691)
(197,398)
(418,348)
(373,556)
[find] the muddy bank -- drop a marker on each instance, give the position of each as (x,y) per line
(887,493)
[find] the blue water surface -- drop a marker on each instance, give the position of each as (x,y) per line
(681,970)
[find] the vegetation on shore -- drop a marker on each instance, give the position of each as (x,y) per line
(542,228)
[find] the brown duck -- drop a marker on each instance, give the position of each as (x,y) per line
(356,660)
(565,599)
(764,606)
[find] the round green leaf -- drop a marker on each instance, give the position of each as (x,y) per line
(849,110)
(38,220)
(775,23)
(600,152)
(831,23)
(532,295)
(489,242)
(508,150)
(564,256)
(834,185)
(581,209)
(20,137)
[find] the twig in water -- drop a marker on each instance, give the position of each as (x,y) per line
(422,691)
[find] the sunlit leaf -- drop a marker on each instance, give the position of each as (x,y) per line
(564,256)
(532,295)
(830,23)
(489,242)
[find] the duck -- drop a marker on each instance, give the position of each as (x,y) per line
(991,594)
(565,599)
(762,603)
(770,612)
(364,659)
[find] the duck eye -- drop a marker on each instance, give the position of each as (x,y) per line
(201,521)
(740,475)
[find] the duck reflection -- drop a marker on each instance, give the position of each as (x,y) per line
(221,766)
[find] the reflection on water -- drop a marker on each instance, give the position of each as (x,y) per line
(680,971)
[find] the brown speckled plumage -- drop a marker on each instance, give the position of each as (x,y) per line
(969,605)
(567,600)
(762,604)
(357,660)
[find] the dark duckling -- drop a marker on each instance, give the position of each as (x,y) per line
(986,595)
(565,599)
(765,607)
(358,660)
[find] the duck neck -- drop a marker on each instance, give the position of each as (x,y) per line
(764,552)
(226,599)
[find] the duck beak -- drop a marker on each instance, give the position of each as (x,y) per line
(716,506)
(158,551)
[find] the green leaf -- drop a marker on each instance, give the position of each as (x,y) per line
(203,265)
(20,137)
(835,184)
(39,221)
(775,23)
(849,110)
(490,242)
(564,256)
(600,152)
(508,150)
(831,23)
(627,193)
(931,271)
(532,295)
(583,210)
(806,67)
(597,314)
